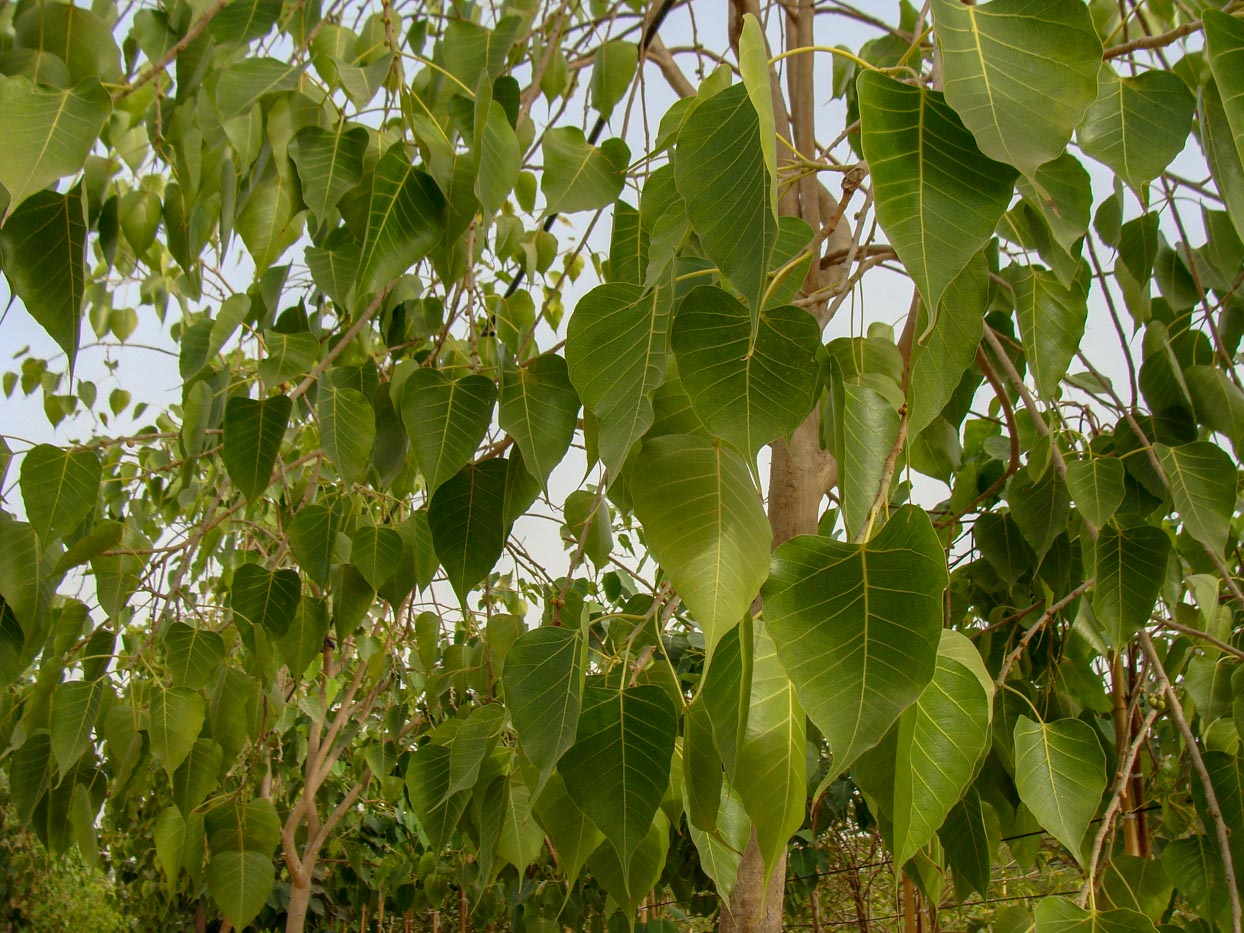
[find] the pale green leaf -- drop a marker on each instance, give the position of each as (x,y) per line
(75,707)
(240,882)
(725,179)
(616,349)
(1224,48)
(347,430)
(1203,480)
(573,835)
(48,133)
(1130,568)
(1060,773)
(747,393)
(445,419)
(1051,324)
(705,525)
(938,198)
(330,163)
(540,409)
(59,488)
(1138,124)
(246,82)
(499,161)
(376,551)
(770,775)
(579,176)
(303,640)
(857,626)
(1020,73)
(613,67)
(174,719)
(543,679)
(193,655)
(271,221)
(941,739)
(1062,915)
(405,220)
(427,779)
(1097,487)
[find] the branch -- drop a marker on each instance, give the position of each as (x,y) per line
(1198,765)
(1152,42)
(1037,626)
(659,55)
(194,32)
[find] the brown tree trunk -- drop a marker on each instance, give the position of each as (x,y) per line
(753,908)
(299,902)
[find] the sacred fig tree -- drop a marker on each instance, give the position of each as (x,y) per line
(542,465)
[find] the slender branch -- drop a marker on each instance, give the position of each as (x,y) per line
(1198,764)
(1037,626)
(193,33)
(1116,799)
(1152,42)
(355,329)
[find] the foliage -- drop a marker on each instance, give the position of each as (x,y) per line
(277,651)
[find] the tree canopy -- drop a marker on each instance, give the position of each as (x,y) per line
(876,372)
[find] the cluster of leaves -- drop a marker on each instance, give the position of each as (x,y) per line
(273,654)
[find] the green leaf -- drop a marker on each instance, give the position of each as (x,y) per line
(857,626)
(240,883)
(1097,487)
(1224,47)
(244,83)
(616,348)
(722,174)
(755,70)
(43,255)
(242,21)
(264,598)
(239,824)
(940,360)
(618,768)
(1130,568)
(405,220)
(1062,915)
(445,420)
(49,133)
(1020,73)
(427,779)
(499,160)
(376,551)
(540,408)
(1060,773)
(866,427)
(303,641)
(1218,143)
(1130,882)
(194,655)
(59,488)
(941,739)
(271,220)
(329,162)
(170,843)
(1051,323)
(705,525)
(75,707)
(1062,194)
(198,775)
(746,393)
(577,175)
(1137,125)
(347,430)
(573,835)
(117,574)
(628,887)
(1218,402)
(521,839)
(613,67)
(970,838)
(174,719)
(938,198)
(77,36)
(467,518)
(1039,507)
(587,521)
(1203,479)
(312,537)
(771,773)
(543,680)
(1195,867)
(721,851)
(472,743)
(253,429)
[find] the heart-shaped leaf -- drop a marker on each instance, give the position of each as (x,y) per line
(857,626)
(253,430)
(467,518)
(1060,773)
(445,419)
(59,488)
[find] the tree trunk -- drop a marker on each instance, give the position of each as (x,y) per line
(299,902)
(753,908)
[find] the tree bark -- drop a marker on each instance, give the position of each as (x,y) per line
(753,907)
(299,902)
